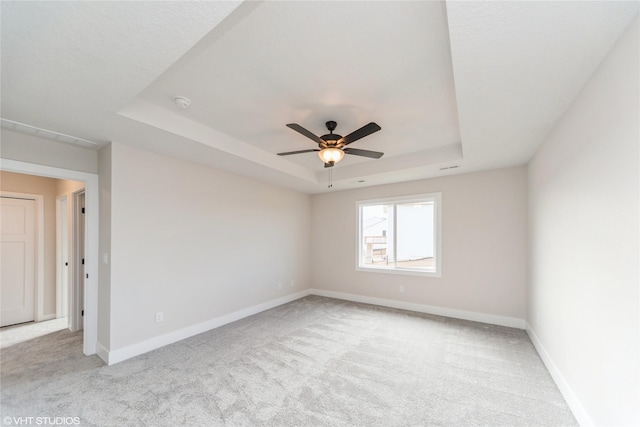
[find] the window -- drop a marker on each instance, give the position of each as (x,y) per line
(400,235)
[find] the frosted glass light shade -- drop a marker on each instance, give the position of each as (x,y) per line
(331,155)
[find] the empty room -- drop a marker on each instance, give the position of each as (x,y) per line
(320,213)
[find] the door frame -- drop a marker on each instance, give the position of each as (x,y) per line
(38,314)
(90,331)
(76,318)
(62,256)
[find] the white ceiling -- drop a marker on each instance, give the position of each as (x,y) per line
(476,85)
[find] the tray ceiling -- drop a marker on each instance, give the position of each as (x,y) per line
(476,85)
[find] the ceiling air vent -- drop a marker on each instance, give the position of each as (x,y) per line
(449,167)
(49,134)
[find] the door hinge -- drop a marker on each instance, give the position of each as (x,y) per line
(82,261)
(82,210)
(87,275)
(83,312)
(66,264)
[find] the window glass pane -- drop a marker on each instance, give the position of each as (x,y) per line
(400,235)
(415,235)
(377,236)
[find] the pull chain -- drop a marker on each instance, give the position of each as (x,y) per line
(330,178)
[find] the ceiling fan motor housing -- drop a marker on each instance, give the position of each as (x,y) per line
(330,138)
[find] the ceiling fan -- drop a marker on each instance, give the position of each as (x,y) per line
(331,147)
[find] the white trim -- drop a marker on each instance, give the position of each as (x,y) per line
(124,353)
(512,322)
(399,270)
(102,353)
(47,317)
(61,255)
(90,337)
(59,261)
(76,268)
(40,280)
(574,404)
(397,199)
(38,314)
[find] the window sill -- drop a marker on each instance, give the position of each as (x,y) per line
(403,271)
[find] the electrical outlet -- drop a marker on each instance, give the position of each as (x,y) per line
(401,289)
(159,317)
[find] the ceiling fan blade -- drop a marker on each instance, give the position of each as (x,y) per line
(305,132)
(297,152)
(360,133)
(363,153)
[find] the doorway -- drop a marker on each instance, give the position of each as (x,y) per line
(70,254)
(90,330)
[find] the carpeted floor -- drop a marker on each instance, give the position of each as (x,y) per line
(12,335)
(313,362)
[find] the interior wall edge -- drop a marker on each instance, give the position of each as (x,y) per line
(574,404)
(102,353)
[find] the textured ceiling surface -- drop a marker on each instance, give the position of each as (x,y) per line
(473,84)
(70,66)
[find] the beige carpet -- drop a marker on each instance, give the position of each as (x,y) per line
(313,362)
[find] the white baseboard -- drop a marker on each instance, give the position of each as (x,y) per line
(512,322)
(576,407)
(102,353)
(124,353)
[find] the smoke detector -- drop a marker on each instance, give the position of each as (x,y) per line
(182,101)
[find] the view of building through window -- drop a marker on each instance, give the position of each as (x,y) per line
(398,235)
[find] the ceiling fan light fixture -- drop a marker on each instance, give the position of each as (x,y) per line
(331,154)
(330,146)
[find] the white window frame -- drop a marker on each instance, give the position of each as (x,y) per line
(436,198)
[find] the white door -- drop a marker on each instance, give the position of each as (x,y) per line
(17,260)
